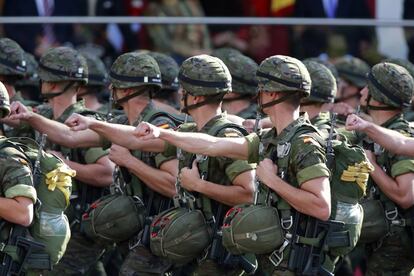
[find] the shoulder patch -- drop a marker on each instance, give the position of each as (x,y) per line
(163,126)
(310,140)
(230,133)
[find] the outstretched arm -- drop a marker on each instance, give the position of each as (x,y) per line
(199,143)
(116,133)
(57,132)
(389,139)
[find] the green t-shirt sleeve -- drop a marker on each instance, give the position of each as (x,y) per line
(253,143)
(94,154)
(17,178)
(309,160)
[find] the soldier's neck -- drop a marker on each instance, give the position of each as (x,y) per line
(312,110)
(92,102)
(133,110)
(203,114)
(235,107)
(282,116)
(381,116)
(60,103)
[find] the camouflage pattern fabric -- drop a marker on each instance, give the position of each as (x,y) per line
(353,70)
(135,69)
(243,72)
(283,74)
(327,64)
(323,87)
(12,59)
(31,77)
(204,75)
(169,70)
(391,84)
(63,64)
(97,74)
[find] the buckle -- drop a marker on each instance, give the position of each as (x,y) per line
(135,241)
(399,222)
(276,257)
(286,223)
(391,214)
(2,246)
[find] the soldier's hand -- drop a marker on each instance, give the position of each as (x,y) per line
(266,170)
(77,122)
(354,122)
(190,177)
(119,155)
(146,131)
(19,111)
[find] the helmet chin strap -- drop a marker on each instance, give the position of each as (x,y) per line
(133,95)
(275,102)
(369,107)
(211,99)
(342,99)
(49,96)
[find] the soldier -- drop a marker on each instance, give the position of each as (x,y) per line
(134,79)
(167,96)
(242,99)
(63,71)
(323,91)
(304,182)
(352,78)
(390,140)
(92,92)
(29,85)
(389,90)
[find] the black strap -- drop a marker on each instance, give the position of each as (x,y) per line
(77,75)
(244,81)
(385,91)
(144,79)
(304,85)
(132,95)
(49,96)
(278,101)
(210,99)
(208,84)
(315,93)
(19,67)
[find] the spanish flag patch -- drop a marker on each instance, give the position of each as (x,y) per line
(164,126)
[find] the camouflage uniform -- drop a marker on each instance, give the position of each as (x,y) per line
(323,90)
(58,65)
(134,70)
(169,73)
(13,66)
(393,86)
(354,71)
(308,157)
(195,73)
(243,79)
(408,112)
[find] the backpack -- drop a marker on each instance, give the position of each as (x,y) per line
(53,184)
(182,233)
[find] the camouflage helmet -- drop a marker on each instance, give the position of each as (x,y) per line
(225,51)
(353,70)
(169,70)
(402,62)
(323,87)
(391,84)
(31,77)
(4,101)
(12,61)
(283,74)
(204,75)
(327,64)
(97,74)
(243,72)
(63,64)
(134,69)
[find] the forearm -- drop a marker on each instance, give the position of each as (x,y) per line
(229,195)
(97,175)
(13,211)
(123,135)
(303,201)
(158,180)
(205,144)
(391,140)
(389,186)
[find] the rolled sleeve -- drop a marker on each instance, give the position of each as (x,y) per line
(94,154)
(311,172)
(238,167)
(402,167)
(253,144)
(21,190)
